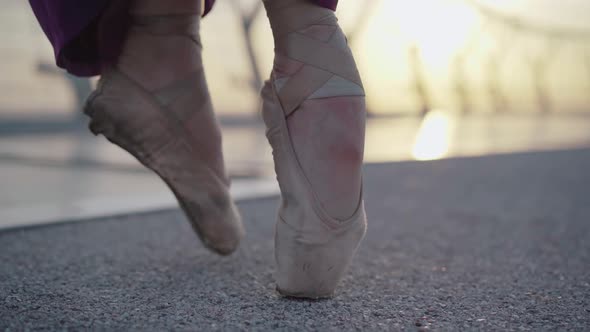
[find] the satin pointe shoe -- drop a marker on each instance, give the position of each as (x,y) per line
(314,110)
(172,130)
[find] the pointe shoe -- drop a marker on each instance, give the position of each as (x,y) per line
(314,110)
(164,129)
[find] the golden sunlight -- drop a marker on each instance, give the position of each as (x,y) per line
(434,137)
(438,27)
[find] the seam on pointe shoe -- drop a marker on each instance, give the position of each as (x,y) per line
(332,230)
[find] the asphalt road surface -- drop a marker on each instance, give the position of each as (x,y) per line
(493,243)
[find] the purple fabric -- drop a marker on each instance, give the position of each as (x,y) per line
(64,20)
(327,3)
(82,43)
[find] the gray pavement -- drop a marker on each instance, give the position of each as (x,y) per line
(493,243)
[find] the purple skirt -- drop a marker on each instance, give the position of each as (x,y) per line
(81,45)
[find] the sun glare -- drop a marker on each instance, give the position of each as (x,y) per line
(438,27)
(434,137)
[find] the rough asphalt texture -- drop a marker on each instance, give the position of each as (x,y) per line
(492,243)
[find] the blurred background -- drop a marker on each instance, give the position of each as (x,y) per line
(444,78)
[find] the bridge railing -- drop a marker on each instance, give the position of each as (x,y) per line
(506,63)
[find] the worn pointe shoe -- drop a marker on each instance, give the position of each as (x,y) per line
(314,110)
(172,130)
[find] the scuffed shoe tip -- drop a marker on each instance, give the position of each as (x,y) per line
(224,248)
(305,294)
(222,236)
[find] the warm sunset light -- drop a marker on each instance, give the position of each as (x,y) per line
(438,27)
(434,137)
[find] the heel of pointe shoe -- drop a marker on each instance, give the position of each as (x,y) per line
(312,267)
(95,126)
(99,123)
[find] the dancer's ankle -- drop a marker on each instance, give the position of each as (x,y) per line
(156,61)
(159,7)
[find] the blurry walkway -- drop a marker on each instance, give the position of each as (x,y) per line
(68,176)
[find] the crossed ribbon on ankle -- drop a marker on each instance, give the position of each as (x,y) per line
(322,59)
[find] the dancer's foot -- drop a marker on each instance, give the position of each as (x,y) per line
(315,113)
(155,104)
